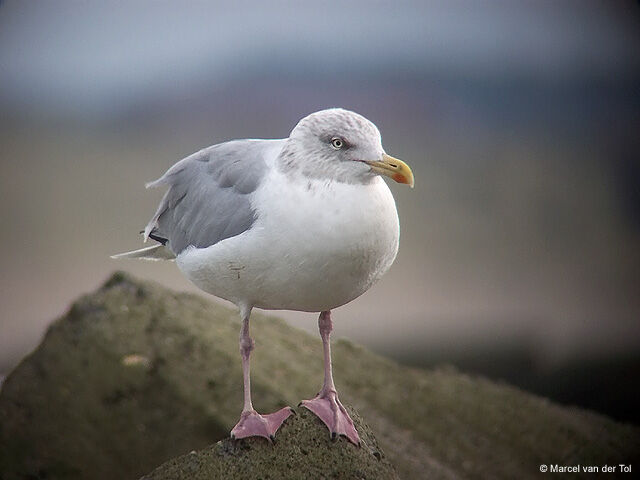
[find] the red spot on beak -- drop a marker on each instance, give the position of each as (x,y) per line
(400,178)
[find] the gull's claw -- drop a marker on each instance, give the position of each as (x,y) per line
(252,424)
(328,408)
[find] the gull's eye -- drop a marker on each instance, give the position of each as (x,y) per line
(337,143)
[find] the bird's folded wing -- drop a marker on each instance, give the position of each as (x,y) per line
(209,196)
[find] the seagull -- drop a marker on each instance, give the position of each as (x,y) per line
(302,223)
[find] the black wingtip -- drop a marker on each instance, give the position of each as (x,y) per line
(158,238)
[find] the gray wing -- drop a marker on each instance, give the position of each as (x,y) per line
(209,195)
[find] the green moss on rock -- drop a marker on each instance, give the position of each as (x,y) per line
(135,374)
(301,450)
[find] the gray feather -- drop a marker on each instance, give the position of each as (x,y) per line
(209,195)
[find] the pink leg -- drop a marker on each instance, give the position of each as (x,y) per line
(326,404)
(251,423)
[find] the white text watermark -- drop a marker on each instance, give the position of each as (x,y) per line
(557,468)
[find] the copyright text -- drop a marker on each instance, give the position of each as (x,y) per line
(556,468)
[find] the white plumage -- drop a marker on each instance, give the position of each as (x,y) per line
(303,223)
(315,246)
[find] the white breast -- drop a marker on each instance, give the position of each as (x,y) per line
(316,245)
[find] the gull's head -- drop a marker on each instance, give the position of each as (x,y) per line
(338,144)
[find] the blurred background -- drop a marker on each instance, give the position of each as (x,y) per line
(519,255)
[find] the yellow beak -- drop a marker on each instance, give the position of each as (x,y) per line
(394,168)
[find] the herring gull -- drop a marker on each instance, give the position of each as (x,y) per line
(303,223)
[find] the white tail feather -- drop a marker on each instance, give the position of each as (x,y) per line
(156,252)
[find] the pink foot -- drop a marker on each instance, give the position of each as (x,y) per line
(252,424)
(329,409)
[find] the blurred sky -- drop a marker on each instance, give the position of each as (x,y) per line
(520,119)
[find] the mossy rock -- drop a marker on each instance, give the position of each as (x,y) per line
(302,450)
(135,374)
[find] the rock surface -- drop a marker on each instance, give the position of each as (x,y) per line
(134,375)
(302,450)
